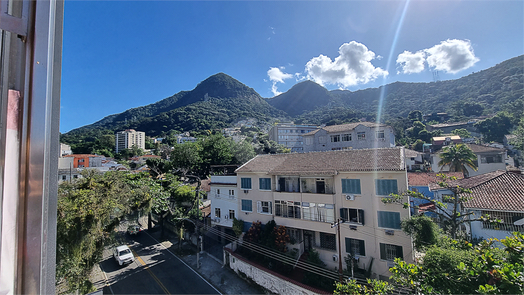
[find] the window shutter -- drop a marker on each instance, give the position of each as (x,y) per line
(259,207)
(362,248)
(345,188)
(399,252)
(348,245)
(270,207)
(382,251)
(344,214)
(361,216)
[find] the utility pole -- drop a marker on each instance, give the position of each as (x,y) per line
(337,225)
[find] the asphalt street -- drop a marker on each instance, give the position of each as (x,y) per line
(156,270)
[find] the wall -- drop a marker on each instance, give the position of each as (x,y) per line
(267,279)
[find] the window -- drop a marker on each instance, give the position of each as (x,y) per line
(491,159)
(231,193)
(264,207)
(361,135)
(355,247)
(217,212)
(390,252)
(264,184)
(380,135)
(319,212)
(218,193)
(346,137)
(389,219)
(351,186)
(328,241)
(64,177)
(352,215)
(245,183)
(508,219)
(335,138)
(287,209)
(385,187)
(247,205)
(231,214)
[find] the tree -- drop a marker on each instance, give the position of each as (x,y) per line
(458,157)
(242,152)
(216,150)
(415,116)
(518,141)
(373,287)
(423,230)
(186,157)
(463,133)
(494,129)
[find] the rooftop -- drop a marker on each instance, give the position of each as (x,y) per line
(327,163)
(345,127)
(500,191)
(427,178)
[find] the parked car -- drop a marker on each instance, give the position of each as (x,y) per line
(123,255)
(133,229)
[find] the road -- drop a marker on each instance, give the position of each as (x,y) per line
(156,270)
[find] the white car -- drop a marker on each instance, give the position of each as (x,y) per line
(123,255)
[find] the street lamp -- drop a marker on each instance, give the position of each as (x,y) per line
(337,225)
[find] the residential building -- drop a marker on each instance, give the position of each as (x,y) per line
(307,192)
(488,159)
(86,160)
(421,181)
(290,135)
(500,195)
(68,174)
(128,138)
(414,160)
(447,128)
(361,135)
(440,141)
(224,202)
(65,150)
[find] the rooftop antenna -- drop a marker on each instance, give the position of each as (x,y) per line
(436,77)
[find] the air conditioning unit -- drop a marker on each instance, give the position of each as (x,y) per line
(350,197)
(390,232)
(217,220)
(353,227)
(335,258)
(391,264)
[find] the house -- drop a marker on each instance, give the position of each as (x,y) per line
(488,159)
(414,160)
(290,135)
(421,182)
(447,128)
(307,192)
(65,150)
(128,138)
(141,160)
(224,202)
(439,141)
(361,135)
(499,194)
(185,137)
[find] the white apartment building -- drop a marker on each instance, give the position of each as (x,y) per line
(128,138)
(361,135)
(290,135)
(307,192)
(224,201)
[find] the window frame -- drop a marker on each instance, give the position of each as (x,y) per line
(349,186)
(328,241)
(347,213)
(245,202)
(385,187)
(384,252)
(385,218)
(245,183)
(346,137)
(361,246)
(262,183)
(361,135)
(335,138)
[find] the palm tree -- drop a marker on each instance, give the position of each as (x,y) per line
(458,157)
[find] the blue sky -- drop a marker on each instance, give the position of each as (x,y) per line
(123,54)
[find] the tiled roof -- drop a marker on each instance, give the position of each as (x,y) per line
(411,153)
(503,191)
(427,178)
(345,127)
(327,163)
(471,181)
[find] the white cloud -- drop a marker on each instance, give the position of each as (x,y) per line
(353,66)
(411,62)
(277,76)
(451,56)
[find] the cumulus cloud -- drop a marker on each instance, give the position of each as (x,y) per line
(277,76)
(352,66)
(451,56)
(411,62)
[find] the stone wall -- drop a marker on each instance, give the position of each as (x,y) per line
(267,279)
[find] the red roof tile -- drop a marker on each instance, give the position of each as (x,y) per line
(497,191)
(427,178)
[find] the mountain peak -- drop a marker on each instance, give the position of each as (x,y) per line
(222,86)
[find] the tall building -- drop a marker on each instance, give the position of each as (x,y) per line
(128,138)
(290,135)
